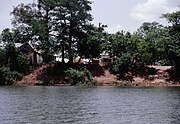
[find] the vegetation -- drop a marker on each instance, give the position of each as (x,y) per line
(80,77)
(16,60)
(64,23)
(13,65)
(173,43)
(67,30)
(8,77)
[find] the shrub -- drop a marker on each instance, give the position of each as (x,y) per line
(23,63)
(16,60)
(2,56)
(79,77)
(8,77)
(122,65)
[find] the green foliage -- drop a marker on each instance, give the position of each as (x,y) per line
(90,45)
(133,51)
(16,60)
(173,17)
(23,63)
(2,59)
(145,54)
(64,23)
(150,35)
(80,77)
(8,77)
(122,65)
(117,44)
(173,43)
(12,64)
(7,35)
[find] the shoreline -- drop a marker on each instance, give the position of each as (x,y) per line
(116,83)
(67,85)
(160,79)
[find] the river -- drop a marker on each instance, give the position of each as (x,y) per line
(89,105)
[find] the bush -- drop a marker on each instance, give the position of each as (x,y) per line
(56,69)
(8,77)
(79,77)
(23,63)
(2,56)
(12,63)
(16,60)
(122,65)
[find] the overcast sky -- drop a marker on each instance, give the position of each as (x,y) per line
(119,15)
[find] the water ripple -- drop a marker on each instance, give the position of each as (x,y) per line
(98,105)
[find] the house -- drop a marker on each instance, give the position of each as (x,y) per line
(34,55)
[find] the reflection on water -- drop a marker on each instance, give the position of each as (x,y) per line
(97,105)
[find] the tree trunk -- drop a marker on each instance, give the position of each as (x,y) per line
(62,45)
(70,45)
(46,58)
(70,50)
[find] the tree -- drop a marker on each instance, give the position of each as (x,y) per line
(150,34)
(7,36)
(118,43)
(122,65)
(64,23)
(13,63)
(24,19)
(134,51)
(76,18)
(11,35)
(46,16)
(16,60)
(123,45)
(90,46)
(71,24)
(33,24)
(173,46)
(2,55)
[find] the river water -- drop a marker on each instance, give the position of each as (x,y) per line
(95,105)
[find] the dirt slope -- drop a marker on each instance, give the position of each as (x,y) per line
(31,79)
(161,78)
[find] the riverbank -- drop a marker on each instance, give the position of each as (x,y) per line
(104,78)
(161,78)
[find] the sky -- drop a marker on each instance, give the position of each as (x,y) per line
(118,15)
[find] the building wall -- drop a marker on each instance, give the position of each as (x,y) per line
(39,59)
(35,58)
